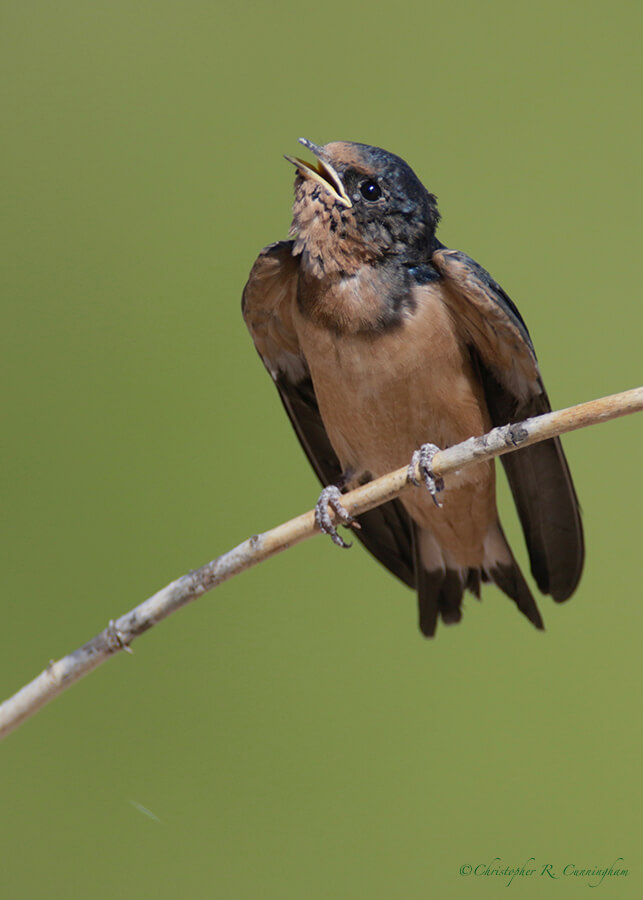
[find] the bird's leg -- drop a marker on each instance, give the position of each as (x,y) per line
(331,497)
(423,460)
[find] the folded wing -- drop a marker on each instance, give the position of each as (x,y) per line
(267,305)
(539,476)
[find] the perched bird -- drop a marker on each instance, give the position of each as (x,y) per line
(380,339)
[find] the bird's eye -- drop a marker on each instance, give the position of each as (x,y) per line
(370,190)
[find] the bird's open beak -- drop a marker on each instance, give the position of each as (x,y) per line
(323,172)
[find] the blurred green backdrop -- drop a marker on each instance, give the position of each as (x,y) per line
(291,735)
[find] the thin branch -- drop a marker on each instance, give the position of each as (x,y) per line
(120,633)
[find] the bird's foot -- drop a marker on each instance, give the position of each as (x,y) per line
(422,459)
(331,497)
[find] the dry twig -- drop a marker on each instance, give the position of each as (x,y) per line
(120,633)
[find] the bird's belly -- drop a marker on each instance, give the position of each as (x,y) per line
(382,396)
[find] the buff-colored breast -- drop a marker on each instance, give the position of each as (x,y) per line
(381,395)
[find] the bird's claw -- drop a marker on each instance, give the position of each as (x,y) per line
(331,497)
(422,459)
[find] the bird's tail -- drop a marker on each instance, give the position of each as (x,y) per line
(500,566)
(441,583)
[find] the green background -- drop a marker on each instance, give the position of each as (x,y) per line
(291,734)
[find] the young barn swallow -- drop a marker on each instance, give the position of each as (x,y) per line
(379,339)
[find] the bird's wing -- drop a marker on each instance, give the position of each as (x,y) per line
(539,476)
(267,305)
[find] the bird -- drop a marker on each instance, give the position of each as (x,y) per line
(386,345)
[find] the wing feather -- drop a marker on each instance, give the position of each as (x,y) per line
(539,475)
(267,305)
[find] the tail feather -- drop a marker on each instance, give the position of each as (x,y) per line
(510,579)
(440,588)
(439,594)
(501,567)
(441,584)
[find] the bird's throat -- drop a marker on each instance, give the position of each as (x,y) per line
(371,299)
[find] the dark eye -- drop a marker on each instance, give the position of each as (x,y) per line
(370,190)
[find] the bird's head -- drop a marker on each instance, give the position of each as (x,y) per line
(358,205)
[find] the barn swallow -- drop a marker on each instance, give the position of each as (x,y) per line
(380,339)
